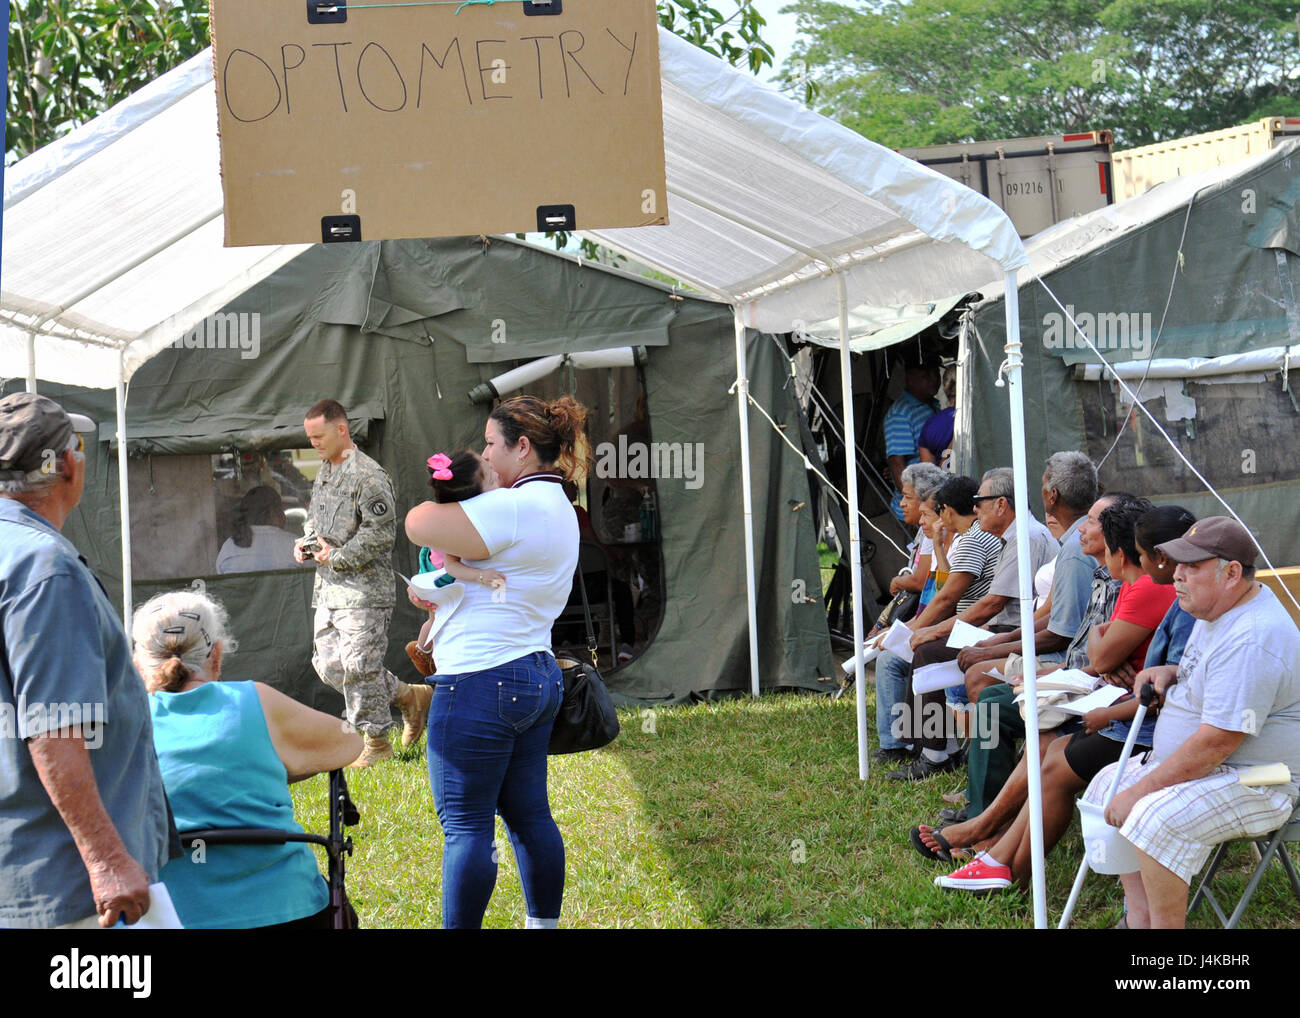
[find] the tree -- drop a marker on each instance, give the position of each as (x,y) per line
(70,60)
(736,38)
(935,71)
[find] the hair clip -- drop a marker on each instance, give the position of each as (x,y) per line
(440,466)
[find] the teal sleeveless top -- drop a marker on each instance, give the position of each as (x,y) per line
(221,770)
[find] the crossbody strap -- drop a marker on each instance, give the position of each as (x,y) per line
(586,615)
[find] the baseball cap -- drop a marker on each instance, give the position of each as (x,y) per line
(1215,537)
(29,426)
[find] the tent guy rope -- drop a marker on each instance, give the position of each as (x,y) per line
(1163,434)
(809,466)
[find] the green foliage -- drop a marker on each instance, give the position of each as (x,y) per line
(72,59)
(736,38)
(935,71)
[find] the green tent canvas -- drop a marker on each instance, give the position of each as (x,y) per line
(1231,297)
(400,332)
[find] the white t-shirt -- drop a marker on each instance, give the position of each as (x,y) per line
(272,548)
(1239,673)
(1043,583)
(532,534)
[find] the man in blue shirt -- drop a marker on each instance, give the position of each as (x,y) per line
(905,419)
(84,826)
(1069,493)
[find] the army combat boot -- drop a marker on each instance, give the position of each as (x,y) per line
(414,704)
(377,748)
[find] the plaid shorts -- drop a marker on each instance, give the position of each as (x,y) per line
(1179,826)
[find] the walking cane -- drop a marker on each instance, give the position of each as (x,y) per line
(1145,696)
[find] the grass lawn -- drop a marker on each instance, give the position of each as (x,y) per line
(737,814)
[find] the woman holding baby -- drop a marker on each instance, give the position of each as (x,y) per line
(498,689)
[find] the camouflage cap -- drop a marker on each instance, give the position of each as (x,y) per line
(31,425)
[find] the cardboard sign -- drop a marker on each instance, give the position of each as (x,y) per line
(436,119)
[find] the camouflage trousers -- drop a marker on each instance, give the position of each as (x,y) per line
(348,647)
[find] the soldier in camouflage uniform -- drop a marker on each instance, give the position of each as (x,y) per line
(354,520)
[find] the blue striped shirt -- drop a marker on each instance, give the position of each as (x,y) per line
(903,423)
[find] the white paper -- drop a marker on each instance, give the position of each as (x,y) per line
(1101,697)
(869,654)
(1069,680)
(161,915)
(937,676)
(1265,774)
(898,641)
(965,635)
(993,673)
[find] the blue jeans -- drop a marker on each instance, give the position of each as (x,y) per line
(893,680)
(488,733)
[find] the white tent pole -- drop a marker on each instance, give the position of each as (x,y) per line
(1019,463)
(855,528)
(747,500)
(31,362)
(123,494)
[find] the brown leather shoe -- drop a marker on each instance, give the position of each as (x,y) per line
(414,705)
(421,659)
(377,748)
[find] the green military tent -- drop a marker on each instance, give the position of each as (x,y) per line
(778,217)
(400,332)
(1192,287)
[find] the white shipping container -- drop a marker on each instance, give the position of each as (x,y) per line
(1139,169)
(1037,181)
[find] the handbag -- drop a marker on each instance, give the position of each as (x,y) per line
(587,719)
(901,607)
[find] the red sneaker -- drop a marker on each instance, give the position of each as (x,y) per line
(977,875)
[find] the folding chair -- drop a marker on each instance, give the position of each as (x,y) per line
(1270,846)
(337,844)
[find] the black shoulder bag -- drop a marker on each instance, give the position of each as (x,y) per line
(587,719)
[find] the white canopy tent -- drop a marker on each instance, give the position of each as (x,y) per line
(113,249)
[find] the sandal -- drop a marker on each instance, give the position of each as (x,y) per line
(944,852)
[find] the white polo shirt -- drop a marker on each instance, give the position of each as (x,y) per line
(532,534)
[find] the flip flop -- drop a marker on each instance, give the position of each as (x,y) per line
(944,854)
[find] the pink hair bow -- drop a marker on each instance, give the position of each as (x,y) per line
(440,464)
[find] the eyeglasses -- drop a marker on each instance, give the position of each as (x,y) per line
(81,443)
(977,499)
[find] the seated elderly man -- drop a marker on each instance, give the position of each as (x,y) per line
(1232,702)
(997,609)
(1069,491)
